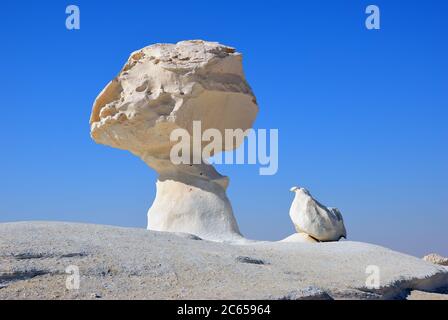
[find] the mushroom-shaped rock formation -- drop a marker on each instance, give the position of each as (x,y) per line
(314,219)
(164,87)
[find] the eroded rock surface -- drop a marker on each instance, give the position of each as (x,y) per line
(129,263)
(436,259)
(164,87)
(168,86)
(314,219)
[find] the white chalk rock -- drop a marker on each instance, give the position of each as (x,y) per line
(199,207)
(314,219)
(300,238)
(170,86)
(436,259)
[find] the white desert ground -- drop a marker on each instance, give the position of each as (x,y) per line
(193,248)
(129,263)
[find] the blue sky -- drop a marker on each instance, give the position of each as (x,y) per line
(362,115)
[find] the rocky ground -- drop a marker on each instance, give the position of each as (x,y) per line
(125,263)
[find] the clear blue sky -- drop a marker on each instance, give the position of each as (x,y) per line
(362,115)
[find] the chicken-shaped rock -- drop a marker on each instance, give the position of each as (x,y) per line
(314,219)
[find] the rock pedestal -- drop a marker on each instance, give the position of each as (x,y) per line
(192,199)
(165,87)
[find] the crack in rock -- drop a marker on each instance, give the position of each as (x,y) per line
(243,259)
(8,277)
(31,256)
(308,293)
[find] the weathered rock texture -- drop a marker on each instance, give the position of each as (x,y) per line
(314,219)
(168,86)
(436,259)
(125,263)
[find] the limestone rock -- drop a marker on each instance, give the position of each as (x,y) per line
(436,259)
(308,293)
(167,86)
(164,87)
(422,295)
(299,237)
(314,219)
(132,263)
(193,206)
